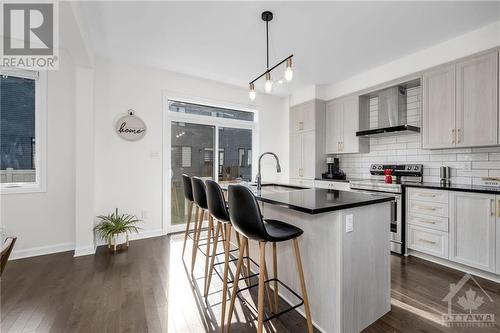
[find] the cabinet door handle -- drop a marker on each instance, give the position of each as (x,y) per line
(459,135)
(498,208)
(301,125)
(492,207)
(426,241)
(453,136)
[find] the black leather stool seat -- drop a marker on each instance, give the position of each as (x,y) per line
(280,231)
(216,203)
(188,187)
(199,192)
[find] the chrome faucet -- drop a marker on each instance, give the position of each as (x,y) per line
(259,175)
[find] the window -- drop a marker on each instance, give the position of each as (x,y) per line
(22,132)
(249,157)
(202,110)
(241,157)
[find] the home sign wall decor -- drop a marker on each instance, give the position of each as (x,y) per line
(130,127)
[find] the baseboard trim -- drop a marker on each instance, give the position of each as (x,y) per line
(41,250)
(459,267)
(84,251)
(140,235)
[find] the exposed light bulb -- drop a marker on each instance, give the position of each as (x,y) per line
(269,84)
(289,71)
(252,93)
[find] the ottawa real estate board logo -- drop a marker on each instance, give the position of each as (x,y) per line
(30,38)
(465,305)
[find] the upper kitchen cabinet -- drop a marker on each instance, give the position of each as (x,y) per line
(460,104)
(302,117)
(342,123)
(438,130)
(477,110)
(307,147)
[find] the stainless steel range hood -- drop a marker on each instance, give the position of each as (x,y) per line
(391,115)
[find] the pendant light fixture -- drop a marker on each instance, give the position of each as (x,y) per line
(268,86)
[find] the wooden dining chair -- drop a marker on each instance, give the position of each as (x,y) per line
(5,251)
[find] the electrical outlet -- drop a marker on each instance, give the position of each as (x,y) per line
(349,223)
(467,166)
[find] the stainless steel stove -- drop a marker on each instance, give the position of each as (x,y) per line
(402,173)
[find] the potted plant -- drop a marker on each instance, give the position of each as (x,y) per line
(115,228)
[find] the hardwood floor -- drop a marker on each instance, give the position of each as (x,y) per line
(149,289)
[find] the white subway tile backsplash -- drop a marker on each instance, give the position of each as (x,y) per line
(468,165)
(472,157)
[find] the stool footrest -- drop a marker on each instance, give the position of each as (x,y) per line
(281,312)
(242,278)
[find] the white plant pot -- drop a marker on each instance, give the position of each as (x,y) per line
(118,239)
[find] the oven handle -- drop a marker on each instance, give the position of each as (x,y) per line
(394,211)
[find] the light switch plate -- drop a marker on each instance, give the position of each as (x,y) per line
(349,223)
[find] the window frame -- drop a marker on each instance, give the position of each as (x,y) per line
(40,185)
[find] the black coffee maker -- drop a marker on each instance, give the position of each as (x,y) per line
(334,171)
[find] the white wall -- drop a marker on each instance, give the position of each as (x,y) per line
(45,222)
(128,175)
(475,41)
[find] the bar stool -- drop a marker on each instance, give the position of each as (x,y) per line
(200,199)
(219,212)
(188,194)
(247,220)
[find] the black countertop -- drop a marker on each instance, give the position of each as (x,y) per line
(316,200)
(456,187)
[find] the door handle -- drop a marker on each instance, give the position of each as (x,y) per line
(453,136)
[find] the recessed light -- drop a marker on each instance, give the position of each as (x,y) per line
(280,81)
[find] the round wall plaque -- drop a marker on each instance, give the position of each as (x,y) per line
(130,127)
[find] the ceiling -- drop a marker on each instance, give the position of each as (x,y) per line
(225,41)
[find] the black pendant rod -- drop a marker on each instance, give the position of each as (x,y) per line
(267,44)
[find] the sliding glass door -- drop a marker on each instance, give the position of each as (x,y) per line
(192,153)
(208,142)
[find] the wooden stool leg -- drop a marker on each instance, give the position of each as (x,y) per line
(201,213)
(262,273)
(207,248)
(268,290)
(212,257)
(275,271)
(247,249)
(235,284)
(303,285)
(190,211)
(227,245)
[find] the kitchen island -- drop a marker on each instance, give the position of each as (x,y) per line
(347,269)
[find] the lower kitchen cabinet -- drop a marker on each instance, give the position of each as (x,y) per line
(462,227)
(472,229)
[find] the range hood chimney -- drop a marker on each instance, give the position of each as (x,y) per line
(391,115)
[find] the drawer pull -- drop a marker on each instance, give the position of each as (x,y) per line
(426,241)
(428,195)
(425,208)
(426,221)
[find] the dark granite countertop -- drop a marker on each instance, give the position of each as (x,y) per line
(316,200)
(456,187)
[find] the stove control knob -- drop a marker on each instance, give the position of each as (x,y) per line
(408,167)
(380,167)
(415,167)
